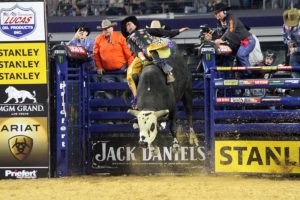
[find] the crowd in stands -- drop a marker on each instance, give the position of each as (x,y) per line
(136,7)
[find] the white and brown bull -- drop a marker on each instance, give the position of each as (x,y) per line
(156,99)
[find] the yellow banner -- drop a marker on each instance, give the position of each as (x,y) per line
(223,68)
(23,63)
(231,82)
(257,156)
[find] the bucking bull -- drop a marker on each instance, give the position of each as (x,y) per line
(157,100)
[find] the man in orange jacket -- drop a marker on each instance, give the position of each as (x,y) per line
(110,49)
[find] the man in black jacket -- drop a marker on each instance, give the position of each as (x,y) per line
(235,33)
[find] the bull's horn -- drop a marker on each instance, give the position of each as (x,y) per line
(133,112)
(161,113)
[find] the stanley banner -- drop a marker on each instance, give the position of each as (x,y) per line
(257,156)
(23,63)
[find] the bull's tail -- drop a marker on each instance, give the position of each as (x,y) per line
(34,94)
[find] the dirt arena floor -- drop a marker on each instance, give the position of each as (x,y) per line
(151,187)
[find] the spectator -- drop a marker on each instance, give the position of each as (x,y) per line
(81,38)
(235,33)
(158,30)
(256,56)
(211,5)
(202,8)
(198,7)
(110,50)
(60,8)
(291,37)
(245,4)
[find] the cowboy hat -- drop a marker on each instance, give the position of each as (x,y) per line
(82,27)
(105,24)
(291,17)
(221,7)
(132,19)
(156,24)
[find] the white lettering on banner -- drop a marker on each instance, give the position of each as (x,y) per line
(62,86)
(63,112)
(6,108)
(21,174)
(30,108)
(167,153)
(120,154)
(21,109)
(110,153)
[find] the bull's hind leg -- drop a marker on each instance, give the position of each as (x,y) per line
(173,127)
(188,107)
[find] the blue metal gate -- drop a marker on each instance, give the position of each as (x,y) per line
(250,126)
(88,110)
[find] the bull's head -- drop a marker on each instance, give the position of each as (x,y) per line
(147,121)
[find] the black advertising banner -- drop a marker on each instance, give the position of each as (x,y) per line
(118,155)
(24,98)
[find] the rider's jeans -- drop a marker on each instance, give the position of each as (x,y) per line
(244,51)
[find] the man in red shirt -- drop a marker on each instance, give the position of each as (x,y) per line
(110,49)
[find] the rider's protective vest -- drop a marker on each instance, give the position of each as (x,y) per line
(138,41)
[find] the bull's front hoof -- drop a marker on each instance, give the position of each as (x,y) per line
(175,146)
(155,151)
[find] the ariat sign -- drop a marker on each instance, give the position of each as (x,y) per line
(20,174)
(257,156)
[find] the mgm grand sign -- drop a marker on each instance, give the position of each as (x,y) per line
(23,100)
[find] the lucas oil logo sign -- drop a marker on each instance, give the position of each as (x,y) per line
(17,21)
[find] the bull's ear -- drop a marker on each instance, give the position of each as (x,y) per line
(133,112)
(161,113)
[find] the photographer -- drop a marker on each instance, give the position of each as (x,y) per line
(224,56)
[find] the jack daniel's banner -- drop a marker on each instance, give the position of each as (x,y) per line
(117,155)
